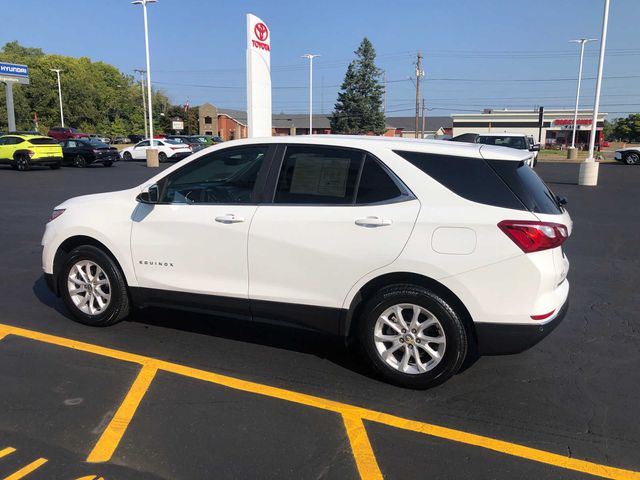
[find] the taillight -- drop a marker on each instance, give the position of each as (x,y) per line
(532,236)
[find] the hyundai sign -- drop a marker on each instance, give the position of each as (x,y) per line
(11,72)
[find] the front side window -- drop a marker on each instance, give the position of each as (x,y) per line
(222,177)
(318,175)
(143,144)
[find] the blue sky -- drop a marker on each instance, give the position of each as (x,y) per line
(477,53)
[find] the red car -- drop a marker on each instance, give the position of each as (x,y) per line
(63,133)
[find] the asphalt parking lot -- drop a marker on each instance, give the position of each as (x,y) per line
(172,395)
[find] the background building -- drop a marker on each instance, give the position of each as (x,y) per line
(556,128)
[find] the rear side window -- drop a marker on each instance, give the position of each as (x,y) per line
(470,178)
(43,141)
(318,175)
(375,184)
(527,185)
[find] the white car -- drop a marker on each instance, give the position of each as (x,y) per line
(167,150)
(420,250)
(519,141)
(629,155)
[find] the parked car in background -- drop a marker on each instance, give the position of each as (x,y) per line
(167,150)
(629,155)
(194,142)
(120,140)
(327,232)
(24,151)
(83,152)
(518,141)
(135,138)
(465,137)
(101,138)
(209,139)
(63,133)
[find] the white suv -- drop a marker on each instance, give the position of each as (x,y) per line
(420,251)
(519,141)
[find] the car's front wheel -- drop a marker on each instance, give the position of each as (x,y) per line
(412,336)
(107,164)
(126,156)
(632,158)
(93,288)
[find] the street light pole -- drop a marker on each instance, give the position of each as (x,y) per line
(152,153)
(589,168)
(582,42)
(57,70)
(310,56)
(144,103)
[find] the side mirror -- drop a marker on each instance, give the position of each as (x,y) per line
(150,195)
(535,147)
(562,201)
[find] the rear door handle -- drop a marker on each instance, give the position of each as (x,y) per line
(229,218)
(373,222)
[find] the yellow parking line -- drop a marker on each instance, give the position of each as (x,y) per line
(110,438)
(26,470)
(6,451)
(344,409)
(361,447)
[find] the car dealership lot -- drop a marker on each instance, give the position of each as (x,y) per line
(574,395)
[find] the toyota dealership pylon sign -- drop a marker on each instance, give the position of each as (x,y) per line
(258,77)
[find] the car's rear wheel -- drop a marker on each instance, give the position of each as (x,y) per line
(93,288)
(412,336)
(126,156)
(632,158)
(162,157)
(79,161)
(22,162)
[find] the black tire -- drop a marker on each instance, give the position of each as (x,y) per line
(55,166)
(126,156)
(79,161)
(162,157)
(118,307)
(632,158)
(107,164)
(535,162)
(452,328)
(22,162)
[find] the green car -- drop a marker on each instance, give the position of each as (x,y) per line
(22,151)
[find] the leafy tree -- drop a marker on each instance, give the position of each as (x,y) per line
(627,129)
(96,96)
(359,106)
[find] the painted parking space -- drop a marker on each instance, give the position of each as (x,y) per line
(355,420)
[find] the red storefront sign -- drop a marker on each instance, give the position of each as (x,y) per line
(569,121)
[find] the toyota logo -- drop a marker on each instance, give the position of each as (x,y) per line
(261,31)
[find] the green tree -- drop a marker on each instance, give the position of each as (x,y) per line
(359,106)
(97,97)
(627,129)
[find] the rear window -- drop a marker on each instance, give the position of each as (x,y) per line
(527,185)
(471,178)
(44,141)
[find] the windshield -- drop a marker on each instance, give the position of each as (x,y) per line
(96,143)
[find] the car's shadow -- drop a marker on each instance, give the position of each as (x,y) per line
(321,345)
(328,347)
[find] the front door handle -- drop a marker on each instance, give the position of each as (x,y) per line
(373,222)
(229,218)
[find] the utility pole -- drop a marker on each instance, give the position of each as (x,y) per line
(385,92)
(144,102)
(57,70)
(419,74)
(423,117)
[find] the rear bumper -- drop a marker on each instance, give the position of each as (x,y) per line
(180,155)
(505,339)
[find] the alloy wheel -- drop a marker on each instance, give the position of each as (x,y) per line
(409,338)
(89,287)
